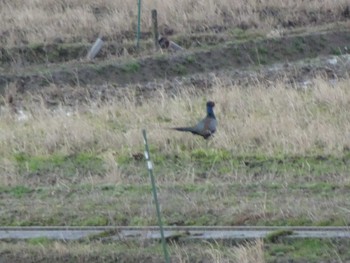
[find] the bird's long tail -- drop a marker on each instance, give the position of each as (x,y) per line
(184,129)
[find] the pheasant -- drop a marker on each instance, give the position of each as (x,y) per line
(205,127)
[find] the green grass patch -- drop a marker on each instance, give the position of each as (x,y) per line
(336,51)
(305,250)
(179,69)
(291,221)
(95,220)
(69,165)
(39,241)
(190,59)
(221,162)
(299,44)
(131,67)
(277,235)
(120,189)
(16,191)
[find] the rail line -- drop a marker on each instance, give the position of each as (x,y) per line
(171,232)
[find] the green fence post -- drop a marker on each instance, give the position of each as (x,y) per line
(154,190)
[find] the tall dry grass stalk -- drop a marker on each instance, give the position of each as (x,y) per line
(250,252)
(37,21)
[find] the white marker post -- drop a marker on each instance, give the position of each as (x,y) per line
(95,49)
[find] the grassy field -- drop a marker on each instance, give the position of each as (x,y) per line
(274,147)
(36,21)
(280,157)
(90,252)
(71,146)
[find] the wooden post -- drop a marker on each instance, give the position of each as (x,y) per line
(138,24)
(155,28)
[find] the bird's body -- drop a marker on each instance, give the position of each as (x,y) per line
(205,127)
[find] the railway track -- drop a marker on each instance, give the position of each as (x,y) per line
(171,232)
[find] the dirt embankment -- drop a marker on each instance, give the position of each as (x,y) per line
(233,59)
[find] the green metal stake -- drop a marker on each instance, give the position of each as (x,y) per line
(154,190)
(138,24)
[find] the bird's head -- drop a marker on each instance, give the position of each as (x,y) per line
(210,104)
(210,111)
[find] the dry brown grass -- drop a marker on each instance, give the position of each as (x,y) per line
(260,119)
(251,252)
(37,21)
